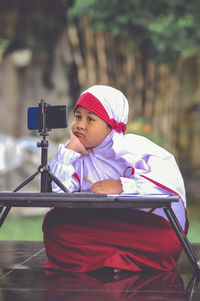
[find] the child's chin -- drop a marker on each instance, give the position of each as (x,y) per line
(88,148)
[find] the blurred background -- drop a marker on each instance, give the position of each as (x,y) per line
(53,50)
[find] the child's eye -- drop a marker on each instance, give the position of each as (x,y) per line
(77,116)
(90,119)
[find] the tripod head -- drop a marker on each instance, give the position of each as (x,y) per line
(42,124)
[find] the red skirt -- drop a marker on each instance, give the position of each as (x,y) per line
(82,240)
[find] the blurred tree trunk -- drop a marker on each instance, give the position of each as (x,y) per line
(159,93)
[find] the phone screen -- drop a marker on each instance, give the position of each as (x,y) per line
(55,117)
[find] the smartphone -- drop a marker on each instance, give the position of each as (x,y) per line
(54,117)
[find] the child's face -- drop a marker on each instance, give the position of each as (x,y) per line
(90,129)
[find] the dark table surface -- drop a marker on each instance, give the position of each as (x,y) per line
(82,200)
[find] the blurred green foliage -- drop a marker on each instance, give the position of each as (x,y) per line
(4,44)
(141,126)
(193,216)
(163,30)
(27,228)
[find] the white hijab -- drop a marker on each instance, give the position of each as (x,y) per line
(114,101)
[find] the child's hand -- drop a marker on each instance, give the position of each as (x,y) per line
(107,186)
(75,145)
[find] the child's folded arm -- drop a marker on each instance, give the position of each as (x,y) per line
(161,177)
(139,185)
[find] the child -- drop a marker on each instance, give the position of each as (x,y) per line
(100,158)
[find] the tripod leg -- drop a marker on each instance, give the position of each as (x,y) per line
(4,215)
(7,209)
(57,181)
(26,181)
(183,239)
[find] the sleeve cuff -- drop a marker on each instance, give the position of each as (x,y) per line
(128,185)
(66,155)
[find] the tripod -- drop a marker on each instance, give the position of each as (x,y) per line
(46,175)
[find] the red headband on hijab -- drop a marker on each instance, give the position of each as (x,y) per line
(90,102)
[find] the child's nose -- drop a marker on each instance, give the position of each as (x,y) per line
(81,124)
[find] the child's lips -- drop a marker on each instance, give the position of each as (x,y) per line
(78,134)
